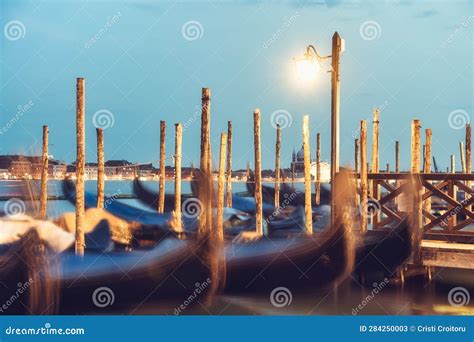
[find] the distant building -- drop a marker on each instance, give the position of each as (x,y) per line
(120,169)
(90,171)
(57,169)
(20,168)
(4,174)
(145,170)
(297,167)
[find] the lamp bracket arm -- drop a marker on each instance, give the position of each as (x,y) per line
(311,48)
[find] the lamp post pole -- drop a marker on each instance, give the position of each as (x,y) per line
(335,117)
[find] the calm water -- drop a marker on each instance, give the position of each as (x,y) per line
(13,188)
(416,297)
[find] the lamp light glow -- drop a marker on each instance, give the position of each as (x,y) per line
(307,68)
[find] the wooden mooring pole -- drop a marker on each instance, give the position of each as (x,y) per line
(258,173)
(161,196)
(463,159)
(44,175)
(468,150)
(80,164)
(220,189)
(417,190)
(363,177)
(356,155)
(468,154)
(427,164)
(397,168)
(375,165)
(277,166)
(307,177)
(318,170)
(229,166)
(178,138)
(100,168)
(205,160)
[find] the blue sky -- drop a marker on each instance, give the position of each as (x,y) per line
(412,59)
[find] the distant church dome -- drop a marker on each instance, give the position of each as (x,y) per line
(300,155)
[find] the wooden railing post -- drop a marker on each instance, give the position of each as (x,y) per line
(363,177)
(258,173)
(161,196)
(307,177)
(229,166)
(220,189)
(80,164)
(277,166)
(44,175)
(100,168)
(318,170)
(417,189)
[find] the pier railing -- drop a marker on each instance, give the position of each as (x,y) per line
(445,205)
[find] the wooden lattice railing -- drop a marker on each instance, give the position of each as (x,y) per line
(439,208)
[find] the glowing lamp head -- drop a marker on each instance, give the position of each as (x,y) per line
(307,68)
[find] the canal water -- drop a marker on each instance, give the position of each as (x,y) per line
(450,292)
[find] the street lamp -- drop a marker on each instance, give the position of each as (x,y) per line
(308,66)
(307,69)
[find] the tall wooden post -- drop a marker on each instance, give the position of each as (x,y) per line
(463,159)
(220,188)
(375,142)
(427,164)
(277,166)
(318,169)
(417,188)
(356,155)
(397,168)
(452,192)
(80,164)
(397,156)
(161,196)
(205,160)
(307,177)
(468,150)
(468,153)
(363,177)
(415,146)
(229,165)
(375,164)
(258,173)
(44,175)
(100,168)
(335,116)
(178,138)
